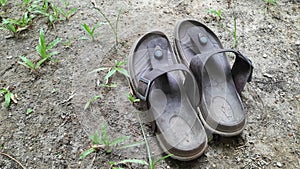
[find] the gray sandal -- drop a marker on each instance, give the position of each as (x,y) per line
(219,85)
(171,92)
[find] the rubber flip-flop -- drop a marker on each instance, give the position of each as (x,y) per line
(220,86)
(171,92)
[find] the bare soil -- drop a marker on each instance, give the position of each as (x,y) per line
(57,131)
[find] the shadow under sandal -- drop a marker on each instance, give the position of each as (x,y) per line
(220,86)
(171,92)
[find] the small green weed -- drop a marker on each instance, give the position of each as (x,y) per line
(15,26)
(29,111)
(217,13)
(42,47)
(90,30)
(117,68)
(152,162)
(43,50)
(8,96)
(112,70)
(67,13)
(31,64)
(268,4)
(103,142)
(48,10)
(3,2)
(38,7)
(26,2)
(10,25)
(54,16)
(271,2)
(91,100)
(114,28)
(132,99)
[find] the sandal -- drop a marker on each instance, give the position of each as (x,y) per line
(170,91)
(219,85)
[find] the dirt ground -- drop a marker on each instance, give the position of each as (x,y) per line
(57,131)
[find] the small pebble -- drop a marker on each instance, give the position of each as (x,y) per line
(297,97)
(268,75)
(270,26)
(265,55)
(9,57)
(278,164)
(297,42)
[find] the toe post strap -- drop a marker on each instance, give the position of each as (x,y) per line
(146,80)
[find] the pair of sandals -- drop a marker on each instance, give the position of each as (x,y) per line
(194,89)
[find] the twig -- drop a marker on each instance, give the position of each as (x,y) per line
(67,100)
(13,159)
(113,28)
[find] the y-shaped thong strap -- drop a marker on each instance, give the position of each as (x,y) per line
(241,70)
(190,85)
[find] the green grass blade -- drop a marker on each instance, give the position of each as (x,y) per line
(117,27)
(7,98)
(41,48)
(3,2)
(87,104)
(12,28)
(53,43)
(87,152)
(91,100)
(26,2)
(107,20)
(96,139)
(132,145)
(146,142)
(123,71)
(110,73)
(118,140)
(3,90)
(71,12)
(119,64)
(93,30)
(40,62)
(87,29)
(52,54)
(26,62)
(98,24)
(162,158)
(132,99)
(104,134)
